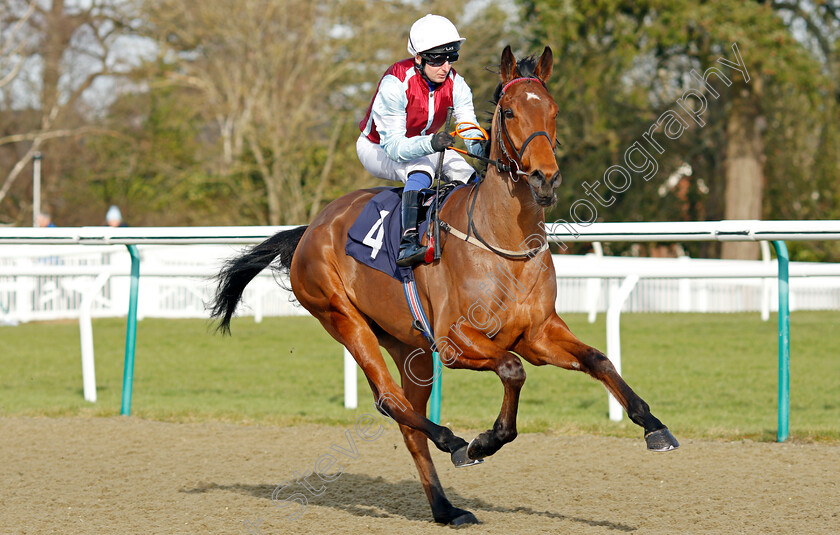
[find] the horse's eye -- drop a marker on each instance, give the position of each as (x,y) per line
(508,113)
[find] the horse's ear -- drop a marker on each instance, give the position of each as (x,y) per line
(545,65)
(508,66)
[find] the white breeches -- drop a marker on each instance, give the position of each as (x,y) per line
(377,163)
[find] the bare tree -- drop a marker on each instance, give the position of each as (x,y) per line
(74,45)
(272,76)
(12,41)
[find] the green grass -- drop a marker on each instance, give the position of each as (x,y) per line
(704,375)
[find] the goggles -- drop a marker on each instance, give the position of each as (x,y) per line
(436,60)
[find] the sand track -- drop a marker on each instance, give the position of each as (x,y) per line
(125,475)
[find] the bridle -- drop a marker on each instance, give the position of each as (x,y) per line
(503,131)
(514,165)
(502,137)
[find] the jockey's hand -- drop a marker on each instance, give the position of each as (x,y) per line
(441,140)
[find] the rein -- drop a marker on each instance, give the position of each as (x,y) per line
(481,242)
(459,131)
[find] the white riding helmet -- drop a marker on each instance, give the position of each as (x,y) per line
(431,32)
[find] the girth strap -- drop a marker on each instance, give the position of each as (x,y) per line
(421,322)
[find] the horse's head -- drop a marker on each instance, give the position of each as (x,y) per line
(524,124)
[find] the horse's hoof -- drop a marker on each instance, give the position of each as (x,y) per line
(661,440)
(465,519)
(457,517)
(461,459)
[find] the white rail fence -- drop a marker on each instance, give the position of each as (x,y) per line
(40,283)
(52,282)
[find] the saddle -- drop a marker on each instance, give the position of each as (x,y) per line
(427,195)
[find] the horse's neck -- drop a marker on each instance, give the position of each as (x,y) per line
(506,212)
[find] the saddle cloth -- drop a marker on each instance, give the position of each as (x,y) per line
(374,238)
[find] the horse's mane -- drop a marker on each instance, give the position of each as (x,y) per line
(525,68)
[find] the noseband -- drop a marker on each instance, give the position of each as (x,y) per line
(503,131)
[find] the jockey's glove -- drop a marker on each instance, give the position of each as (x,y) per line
(441,140)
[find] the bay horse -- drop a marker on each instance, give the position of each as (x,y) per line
(488,306)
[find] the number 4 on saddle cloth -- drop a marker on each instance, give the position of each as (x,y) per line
(374,240)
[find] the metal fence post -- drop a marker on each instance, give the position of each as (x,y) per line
(784,342)
(434,407)
(130,331)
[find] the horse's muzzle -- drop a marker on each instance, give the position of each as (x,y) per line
(543,188)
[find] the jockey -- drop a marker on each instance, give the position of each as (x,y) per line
(398,139)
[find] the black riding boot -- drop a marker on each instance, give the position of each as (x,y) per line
(411,252)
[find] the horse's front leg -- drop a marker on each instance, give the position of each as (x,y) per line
(553,343)
(478,352)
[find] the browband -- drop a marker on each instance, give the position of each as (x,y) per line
(505,88)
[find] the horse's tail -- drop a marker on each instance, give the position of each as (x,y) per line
(239,271)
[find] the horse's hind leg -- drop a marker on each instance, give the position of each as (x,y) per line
(347,325)
(442,509)
(553,343)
